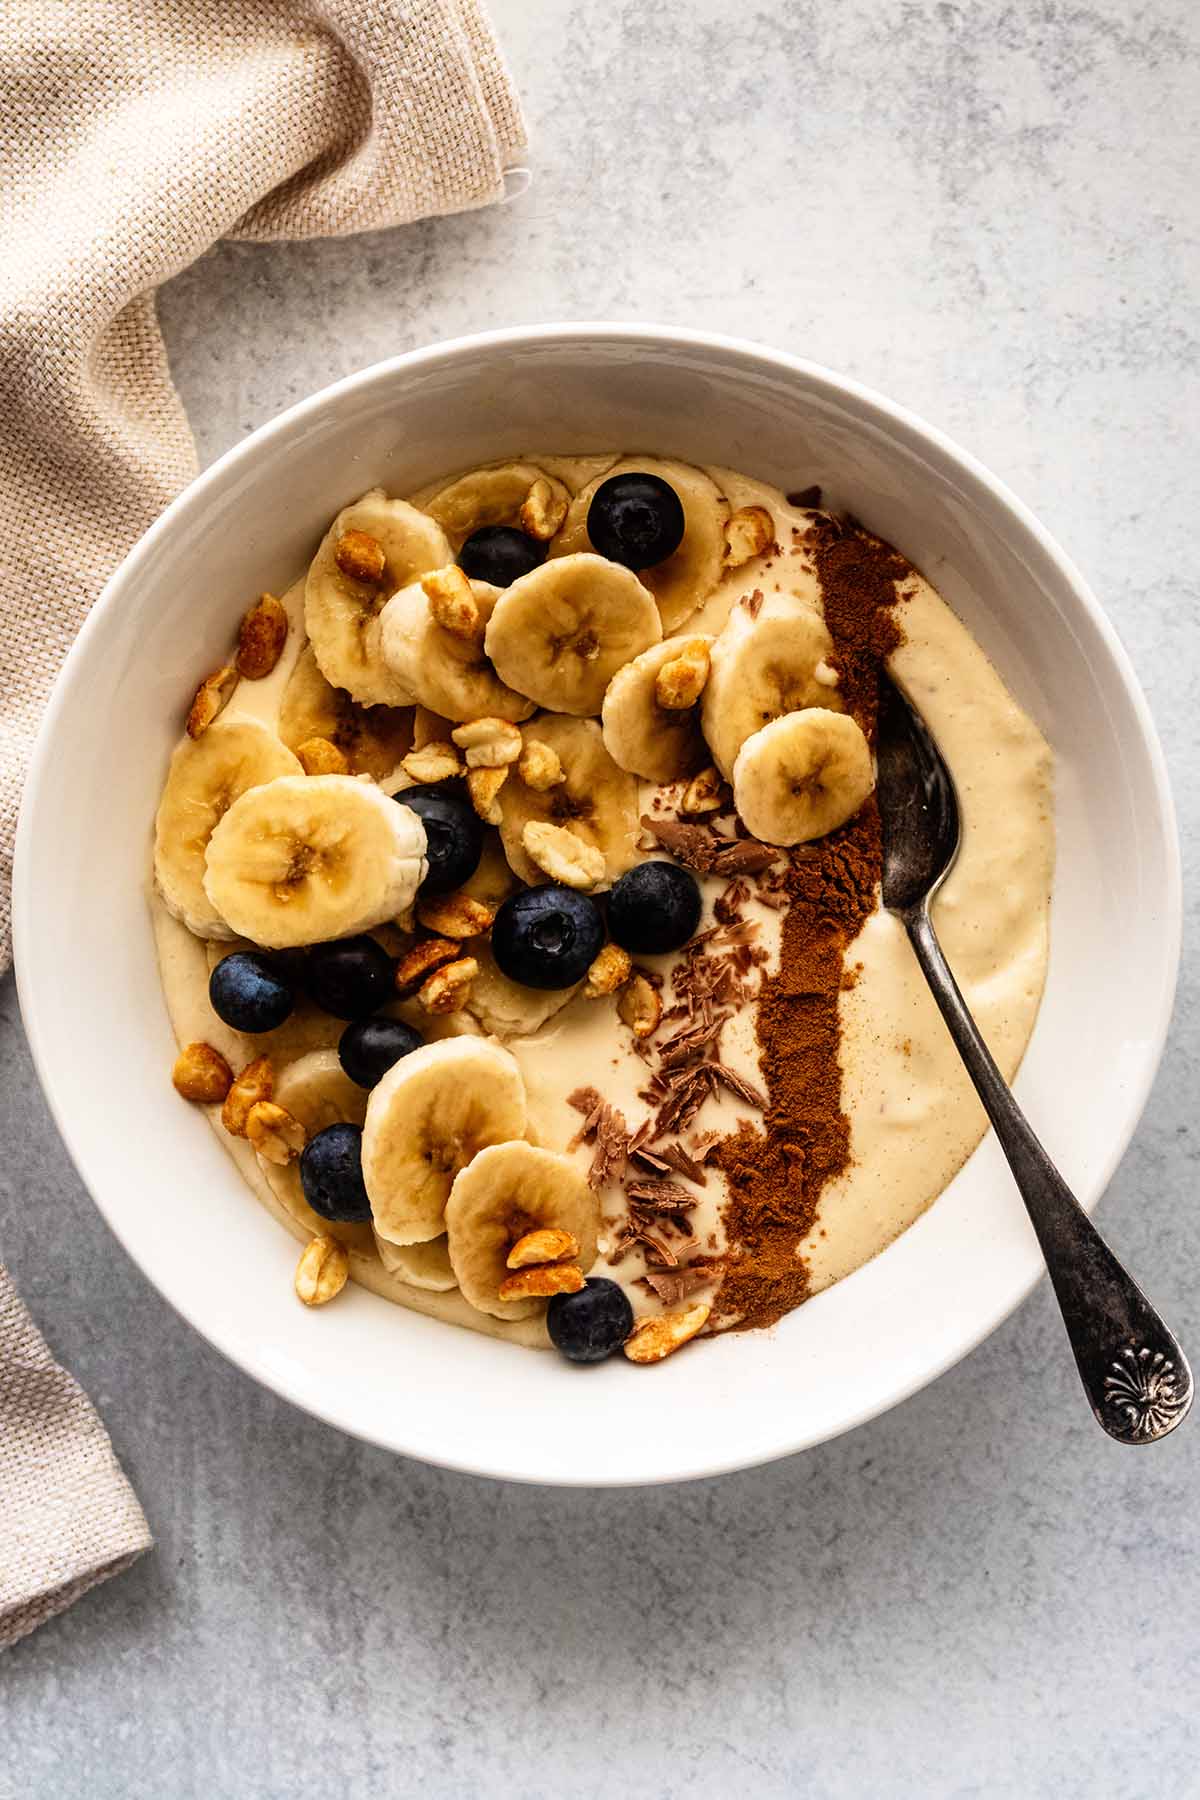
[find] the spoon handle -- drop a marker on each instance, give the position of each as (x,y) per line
(1134,1373)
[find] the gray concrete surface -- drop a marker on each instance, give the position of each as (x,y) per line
(991,213)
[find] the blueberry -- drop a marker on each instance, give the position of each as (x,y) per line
(655,907)
(249,993)
(331,1174)
(350,977)
(369,1047)
(636,520)
(588,1326)
(547,937)
(500,554)
(453,836)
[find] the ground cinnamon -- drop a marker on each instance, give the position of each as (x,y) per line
(776,1174)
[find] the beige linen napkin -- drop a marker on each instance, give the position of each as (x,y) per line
(133,135)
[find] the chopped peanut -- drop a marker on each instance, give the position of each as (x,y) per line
(563,855)
(544,510)
(489,743)
(256,1082)
(640,1007)
(360,556)
(539,767)
(680,682)
(210,698)
(449,989)
(610,971)
(455,915)
(748,532)
(202,1074)
(322,1271)
(548,1245)
(273,1132)
(452,603)
(434,762)
(261,637)
(319,757)
(652,1339)
(418,963)
(483,786)
(703,793)
(525,1284)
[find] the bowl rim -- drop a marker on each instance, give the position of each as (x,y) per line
(903,423)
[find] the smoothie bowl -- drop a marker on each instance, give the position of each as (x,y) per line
(507,973)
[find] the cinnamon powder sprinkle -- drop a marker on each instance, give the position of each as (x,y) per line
(777,1172)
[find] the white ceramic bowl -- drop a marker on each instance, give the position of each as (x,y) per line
(89,987)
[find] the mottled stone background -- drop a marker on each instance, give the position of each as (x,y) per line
(991,213)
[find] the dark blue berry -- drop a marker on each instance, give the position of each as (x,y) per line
(453,836)
(588,1326)
(350,978)
(249,992)
(655,907)
(369,1047)
(636,520)
(331,1174)
(547,937)
(500,554)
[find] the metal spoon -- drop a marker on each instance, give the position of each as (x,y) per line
(1134,1373)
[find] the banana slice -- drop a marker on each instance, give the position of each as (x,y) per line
(341,613)
(206,776)
(762,668)
(492,496)
(685,580)
(802,776)
(560,633)
(373,739)
(659,743)
(596,800)
(505,1008)
(316,1090)
(426,1119)
(306,858)
(503,1193)
(449,675)
(420,1265)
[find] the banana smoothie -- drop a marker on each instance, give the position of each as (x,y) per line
(516,895)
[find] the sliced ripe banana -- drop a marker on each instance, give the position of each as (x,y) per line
(501,1195)
(659,743)
(420,1265)
(206,776)
(342,614)
(432,1112)
(372,738)
(449,675)
(596,800)
(761,668)
(316,1090)
(492,496)
(685,580)
(560,633)
(802,776)
(306,858)
(505,1008)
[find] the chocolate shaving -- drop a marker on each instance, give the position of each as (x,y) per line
(806,497)
(753,601)
(741,1089)
(745,857)
(674,1156)
(729,904)
(673,1285)
(585,1099)
(703,1145)
(649,1160)
(660,1196)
